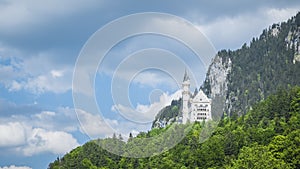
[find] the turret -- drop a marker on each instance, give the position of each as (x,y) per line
(185,97)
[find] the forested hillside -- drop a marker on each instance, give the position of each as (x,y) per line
(168,114)
(268,136)
(237,79)
(244,76)
(253,87)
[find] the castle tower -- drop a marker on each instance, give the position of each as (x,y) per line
(185,97)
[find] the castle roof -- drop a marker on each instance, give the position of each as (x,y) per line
(186,76)
(201,97)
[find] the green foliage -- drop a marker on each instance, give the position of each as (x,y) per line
(256,157)
(167,113)
(268,136)
(260,68)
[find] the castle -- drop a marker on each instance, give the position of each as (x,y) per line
(194,108)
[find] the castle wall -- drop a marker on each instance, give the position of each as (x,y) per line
(197,108)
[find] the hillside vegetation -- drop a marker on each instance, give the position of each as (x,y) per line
(268,136)
(255,88)
(237,79)
(253,72)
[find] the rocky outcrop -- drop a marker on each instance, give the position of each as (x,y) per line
(217,75)
(216,84)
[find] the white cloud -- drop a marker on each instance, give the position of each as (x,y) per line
(56,73)
(57,83)
(15,86)
(45,114)
(46,131)
(280,15)
(40,140)
(94,125)
(12,134)
(146,113)
(31,140)
(36,75)
(34,72)
(153,79)
(64,119)
(16,15)
(15,167)
(231,32)
(9,72)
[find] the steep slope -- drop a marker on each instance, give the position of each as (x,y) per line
(242,77)
(266,137)
(168,114)
(237,79)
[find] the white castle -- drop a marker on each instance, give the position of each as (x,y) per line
(194,108)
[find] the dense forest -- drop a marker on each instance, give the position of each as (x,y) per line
(270,61)
(268,136)
(260,126)
(168,114)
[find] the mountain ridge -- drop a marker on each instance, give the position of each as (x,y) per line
(256,70)
(266,137)
(258,79)
(236,79)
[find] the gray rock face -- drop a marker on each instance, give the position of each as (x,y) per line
(293,42)
(217,77)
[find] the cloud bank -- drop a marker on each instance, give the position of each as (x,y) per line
(15,167)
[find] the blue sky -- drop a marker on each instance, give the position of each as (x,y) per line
(39,45)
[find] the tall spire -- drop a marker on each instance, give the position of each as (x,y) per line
(186,76)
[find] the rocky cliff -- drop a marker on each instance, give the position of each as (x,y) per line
(237,79)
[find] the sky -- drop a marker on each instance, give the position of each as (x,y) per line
(47,86)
